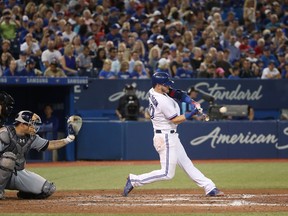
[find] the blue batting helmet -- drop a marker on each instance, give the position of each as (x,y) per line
(161,78)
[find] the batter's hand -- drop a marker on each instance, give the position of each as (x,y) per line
(197,106)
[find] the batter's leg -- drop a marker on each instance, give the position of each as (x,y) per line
(196,175)
(168,161)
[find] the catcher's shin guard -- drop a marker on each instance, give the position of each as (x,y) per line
(7,165)
(47,190)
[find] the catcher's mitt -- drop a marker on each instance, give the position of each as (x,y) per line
(75,122)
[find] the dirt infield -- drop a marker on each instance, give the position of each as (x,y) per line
(149,201)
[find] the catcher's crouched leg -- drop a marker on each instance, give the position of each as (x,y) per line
(7,164)
(48,189)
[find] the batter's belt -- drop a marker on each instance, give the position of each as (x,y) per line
(165,131)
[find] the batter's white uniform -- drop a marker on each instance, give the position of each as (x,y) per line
(167,144)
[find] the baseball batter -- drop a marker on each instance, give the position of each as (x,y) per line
(15,143)
(165,116)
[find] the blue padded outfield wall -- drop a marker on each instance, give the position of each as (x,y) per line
(115,140)
(103,137)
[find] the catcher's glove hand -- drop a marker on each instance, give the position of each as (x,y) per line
(74,124)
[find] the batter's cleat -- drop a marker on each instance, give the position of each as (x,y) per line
(128,187)
(215,192)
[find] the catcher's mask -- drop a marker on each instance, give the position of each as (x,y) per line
(29,118)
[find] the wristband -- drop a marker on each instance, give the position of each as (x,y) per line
(69,139)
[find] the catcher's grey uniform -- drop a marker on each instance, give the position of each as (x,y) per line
(28,183)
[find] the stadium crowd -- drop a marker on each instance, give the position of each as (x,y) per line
(134,38)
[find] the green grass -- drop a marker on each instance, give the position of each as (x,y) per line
(230,175)
(254,175)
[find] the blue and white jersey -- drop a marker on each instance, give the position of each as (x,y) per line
(162,109)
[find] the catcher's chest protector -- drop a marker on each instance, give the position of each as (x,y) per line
(20,146)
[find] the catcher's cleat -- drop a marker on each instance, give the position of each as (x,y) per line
(128,187)
(215,192)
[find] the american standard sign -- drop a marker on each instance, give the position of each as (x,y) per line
(220,92)
(218,137)
(260,94)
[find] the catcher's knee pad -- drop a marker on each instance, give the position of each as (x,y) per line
(7,161)
(7,165)
(47,190)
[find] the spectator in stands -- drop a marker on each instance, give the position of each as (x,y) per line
(31,48)
(281,59)
(5,60)
(176,63)
(98,61)
(139,71)
(8,25)
(246,71)
(113,56)
(273,24)
(284,72)
(20,63)
(78,46)
(91,43)
(84,63)
(251,56)
(185,71)
(279,40)
(229,43)
(29,69)
(259,47)
(5,46)
(220,73)
(124,70)
(49,54)
(154,56)
(54,70)
(163,66)
(38,29)
(68,61)
(234,73)
(268,56)
(114,34)
(106,72)
(208,72)
(249,14)
(271,72)
(223,63)
(197,58)
(139,47)
(12,69)
(68,31)
(244,46)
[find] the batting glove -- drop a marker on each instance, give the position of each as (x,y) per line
(188,115)
(197,106)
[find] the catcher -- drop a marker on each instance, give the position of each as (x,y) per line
(15,143)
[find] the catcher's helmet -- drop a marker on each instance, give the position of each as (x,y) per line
(161,78)
(7,104)
(30,118)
